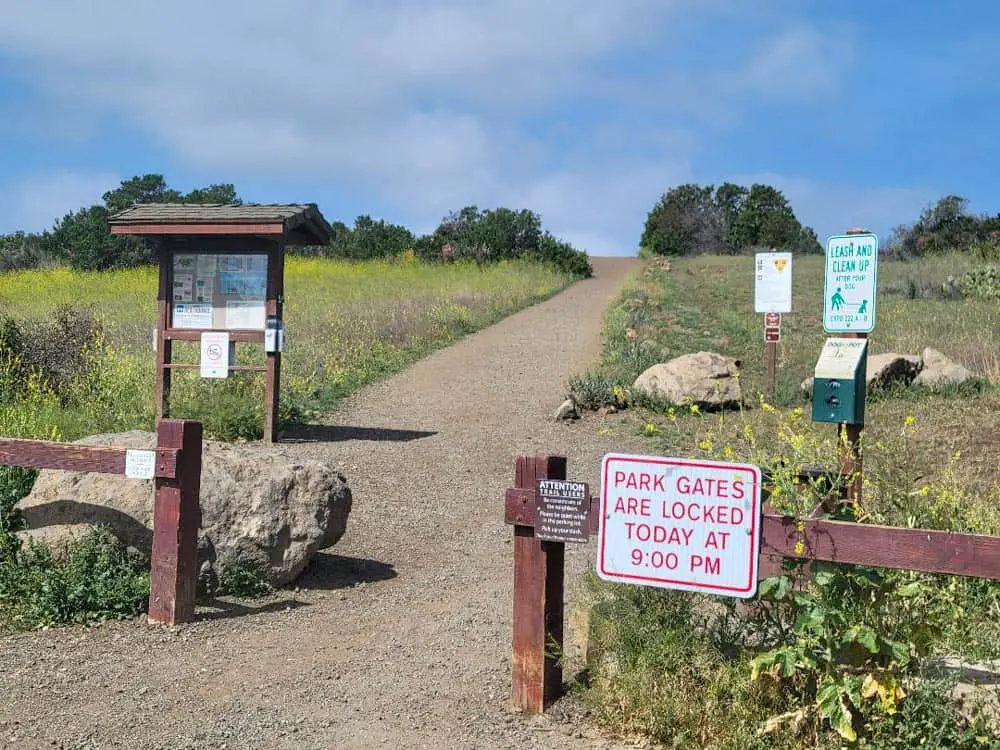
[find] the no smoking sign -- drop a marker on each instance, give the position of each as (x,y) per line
(215,349)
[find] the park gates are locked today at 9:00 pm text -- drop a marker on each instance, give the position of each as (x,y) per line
(682,524)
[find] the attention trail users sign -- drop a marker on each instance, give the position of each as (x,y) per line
(680,524)
(849,297)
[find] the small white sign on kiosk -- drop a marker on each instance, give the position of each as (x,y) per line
(773,283)
(216,354)
(680,524)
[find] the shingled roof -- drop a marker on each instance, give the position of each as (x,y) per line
(299,224)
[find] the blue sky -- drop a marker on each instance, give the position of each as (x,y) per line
(584,111)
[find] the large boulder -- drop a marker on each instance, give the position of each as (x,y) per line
(707,379)
(884,370)
(939,371)
(257,507)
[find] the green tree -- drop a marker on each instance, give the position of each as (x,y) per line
(224,193)
(84,240)
(149,188)
(493,234)
(22,250)
(766,219)
(729,201)
(692,219)
(685,221)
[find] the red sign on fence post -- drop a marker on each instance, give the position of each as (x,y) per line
(680,524)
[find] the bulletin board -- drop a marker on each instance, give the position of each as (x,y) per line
(219,291)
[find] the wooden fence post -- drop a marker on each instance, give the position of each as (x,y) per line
(538,599)
(176,519)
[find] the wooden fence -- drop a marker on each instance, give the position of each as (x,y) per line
(539,567)
(176,508)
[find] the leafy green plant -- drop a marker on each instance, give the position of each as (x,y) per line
(96,578)
(593,391)
(839,653)
(244,580)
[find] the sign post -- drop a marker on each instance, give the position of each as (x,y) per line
(849,301)
(680,524)
(772,296)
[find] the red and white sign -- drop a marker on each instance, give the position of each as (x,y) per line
(772,327)
(214,354)
(680,524)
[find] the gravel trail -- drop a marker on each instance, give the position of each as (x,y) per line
(399,636)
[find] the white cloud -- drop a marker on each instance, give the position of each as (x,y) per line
(799,62)
(425,103)
(34,203)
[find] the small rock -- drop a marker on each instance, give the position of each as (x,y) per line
(705,379)
(883,370)
(807,386)
(940,371)
(567,410)
(608,410)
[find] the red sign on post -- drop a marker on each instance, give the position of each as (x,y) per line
(772,327)
(680,524)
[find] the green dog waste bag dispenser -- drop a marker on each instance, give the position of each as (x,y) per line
(839,382)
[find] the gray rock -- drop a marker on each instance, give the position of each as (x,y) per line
(706,379)
(939,371)
(807,386)
(257,507)
(567,410)
(884,370)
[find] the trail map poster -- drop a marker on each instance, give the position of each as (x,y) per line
(223,292)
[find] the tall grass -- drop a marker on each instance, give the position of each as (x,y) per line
(348,323)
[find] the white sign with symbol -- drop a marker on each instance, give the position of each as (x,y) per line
(849,295)
(773,283)
(140,464)
(680,524)
(214,354)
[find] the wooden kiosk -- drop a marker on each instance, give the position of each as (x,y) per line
(222,278)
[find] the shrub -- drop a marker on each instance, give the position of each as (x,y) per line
(55,348)
(244,580)
(96,579)
(982,283)
(593,391)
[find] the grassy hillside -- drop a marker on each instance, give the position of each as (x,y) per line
(836,652)
(348,323)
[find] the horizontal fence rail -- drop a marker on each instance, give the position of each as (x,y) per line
(176,505)
(539,566)
(42,454)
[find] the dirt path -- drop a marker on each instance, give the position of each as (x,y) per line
(399,639)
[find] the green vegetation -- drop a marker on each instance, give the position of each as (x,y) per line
(83,241)
(94,579)
(77,344)
(243,580)
(728,220)
(830,656)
